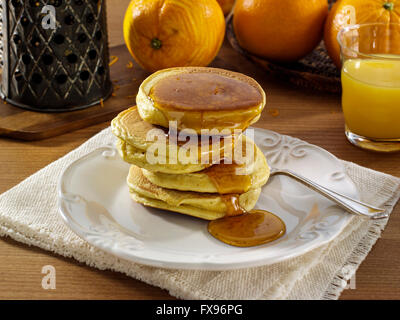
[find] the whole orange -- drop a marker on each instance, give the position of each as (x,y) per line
(226,5)
(284,30)
(173,33)
(350,12)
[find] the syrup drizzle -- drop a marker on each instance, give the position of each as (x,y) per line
(239,227)
(226,180)
(204,91)
(194,100)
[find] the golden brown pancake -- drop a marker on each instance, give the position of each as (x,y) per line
(208,206)
(137,148)
(220,178)
(200,98)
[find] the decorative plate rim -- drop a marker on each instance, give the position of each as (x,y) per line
(195,262)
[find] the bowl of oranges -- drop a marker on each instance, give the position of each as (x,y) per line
(293,39)
(297,40)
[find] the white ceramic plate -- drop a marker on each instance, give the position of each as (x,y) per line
(95,204)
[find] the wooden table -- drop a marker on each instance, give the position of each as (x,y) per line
(313,117)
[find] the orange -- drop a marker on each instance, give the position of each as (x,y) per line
(226,5)
(173,33)
(349,12)
(284,30)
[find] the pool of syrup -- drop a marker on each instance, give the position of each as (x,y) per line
(248,229)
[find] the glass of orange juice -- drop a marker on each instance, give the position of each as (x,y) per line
(371,85)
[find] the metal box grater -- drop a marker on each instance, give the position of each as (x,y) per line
(52,70)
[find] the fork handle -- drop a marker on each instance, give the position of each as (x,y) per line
(349,204)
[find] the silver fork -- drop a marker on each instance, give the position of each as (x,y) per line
(347,203)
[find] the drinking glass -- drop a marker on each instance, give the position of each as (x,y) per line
(371,85)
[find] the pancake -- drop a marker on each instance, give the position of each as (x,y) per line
(137,157)
(136,147)
(220,178)
(200,98)
(208,206)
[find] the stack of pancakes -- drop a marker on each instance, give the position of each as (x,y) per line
(200,102)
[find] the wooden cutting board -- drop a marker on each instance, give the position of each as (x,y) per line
(21,124)
(126,75)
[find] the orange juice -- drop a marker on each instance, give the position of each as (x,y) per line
(371,97)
